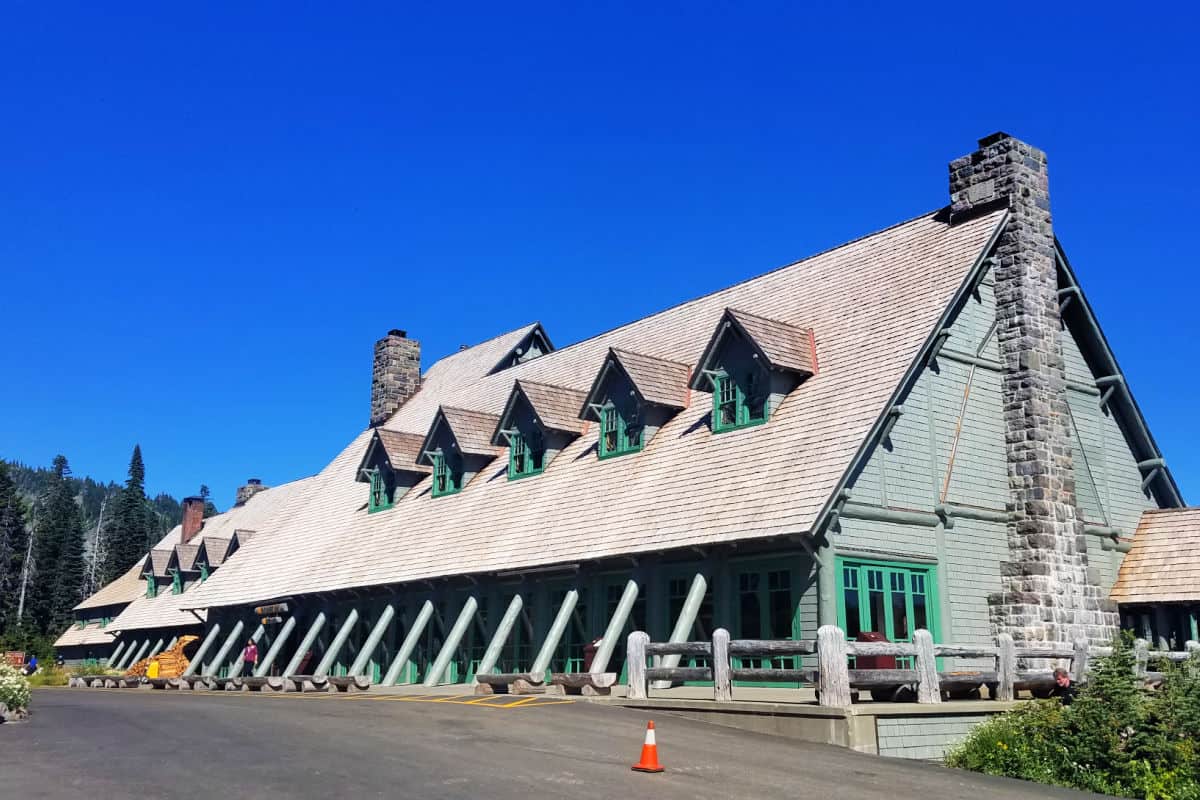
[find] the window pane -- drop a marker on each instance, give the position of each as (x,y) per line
(920,614)
(781,604)
(876,616)
(899,613)
(750,609)
(850,598)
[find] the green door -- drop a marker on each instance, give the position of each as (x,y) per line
(887,597)
(767,607)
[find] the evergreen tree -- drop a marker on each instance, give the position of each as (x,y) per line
(129,536)
(210,510)
(58,555)
(13,542)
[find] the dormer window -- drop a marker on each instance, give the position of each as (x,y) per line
(620,431)
(447,474)
(380,498)
(632,396)
(533,344)
(526,453)
(739,401)
(750,365)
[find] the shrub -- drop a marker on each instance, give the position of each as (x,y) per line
(1116,738)
(14,688)
(49,676)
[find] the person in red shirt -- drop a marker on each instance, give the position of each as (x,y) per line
(250,654)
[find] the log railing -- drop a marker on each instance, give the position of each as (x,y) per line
(835,680)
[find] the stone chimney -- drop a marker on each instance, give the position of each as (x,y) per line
(253,486)
(1045,591)
(193,518)
(396,375)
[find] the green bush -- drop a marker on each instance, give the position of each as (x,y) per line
(1116,738)
(49,676)
(14,688)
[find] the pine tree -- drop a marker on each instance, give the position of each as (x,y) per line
(210,510)
(58,555)
(129,536)
(13,542)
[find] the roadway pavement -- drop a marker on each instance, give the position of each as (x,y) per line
(220,746)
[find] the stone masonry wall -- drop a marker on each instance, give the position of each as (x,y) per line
(396,374)
(1046,594)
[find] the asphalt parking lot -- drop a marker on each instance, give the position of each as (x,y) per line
(142,744)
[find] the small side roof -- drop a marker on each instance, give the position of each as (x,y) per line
(1163,566)
(91,634)
(213,550)
(556,408)
(402,451)
(185,557)
(472,430)
(656,380)
(157,562)
(785,347)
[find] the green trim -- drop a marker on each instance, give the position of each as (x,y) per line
(446,479)
(203,571)
(526,454)
(151,586)
(737,403)
(889,578)
(765,579)
(619,435)
(176,582)
(380,499)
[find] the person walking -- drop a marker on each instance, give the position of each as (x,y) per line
(250,654)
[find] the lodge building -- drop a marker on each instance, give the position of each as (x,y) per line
(922,428)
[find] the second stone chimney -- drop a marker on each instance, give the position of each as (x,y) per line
(1045,592)
(253,486)
(193,518)
(395,376)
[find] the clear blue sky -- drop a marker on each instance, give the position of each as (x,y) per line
(209,213)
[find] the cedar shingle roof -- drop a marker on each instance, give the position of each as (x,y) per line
(786,347)
(92,634)
(472,430)
(403,450)
(215,549)
(657,380)
(875,302)
(555,407)
(119,591)
(1163,565)
(185,556)
(158,560)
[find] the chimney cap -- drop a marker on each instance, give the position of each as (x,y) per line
(254,481)
(993,138)
(397,332)
(195,498)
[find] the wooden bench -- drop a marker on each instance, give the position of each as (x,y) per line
(350,683)
(227,684)
(197,683)
(586,683)
(255,684)
(509,683)
(164,683)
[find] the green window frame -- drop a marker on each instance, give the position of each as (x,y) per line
(891,597)
(151,586)
(526,454)
(203,571)
(738,403)
(380,499)
(446,479)
(176,582)
(620,434)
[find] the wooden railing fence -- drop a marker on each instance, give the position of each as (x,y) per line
(834,679)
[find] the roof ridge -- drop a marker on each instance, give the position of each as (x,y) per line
(550,385)
(759,276)
(764,319)
(523,328)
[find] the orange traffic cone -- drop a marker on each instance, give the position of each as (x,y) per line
(649,762)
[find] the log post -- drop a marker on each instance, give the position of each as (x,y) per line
(929,688)
(1006,667)
(833,678)
(635,655)
(1079,662)
(1141,657)
(722,669)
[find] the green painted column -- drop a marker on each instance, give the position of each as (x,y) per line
(264,666)
(616,626)
(434,676)
(409,644)
(214,666)
(359,666)
(198,659)
(310,636)
(335,647)
(542,662)
(500,637)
